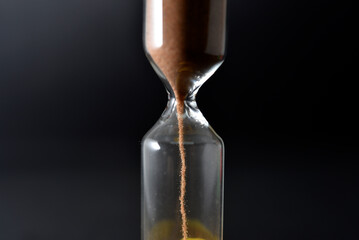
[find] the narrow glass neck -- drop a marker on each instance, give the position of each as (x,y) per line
(190,96)
(191,112)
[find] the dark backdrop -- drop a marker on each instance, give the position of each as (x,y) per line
(77,94)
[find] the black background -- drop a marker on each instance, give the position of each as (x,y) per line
(77,94)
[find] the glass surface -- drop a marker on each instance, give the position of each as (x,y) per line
(182,156)
(161,179)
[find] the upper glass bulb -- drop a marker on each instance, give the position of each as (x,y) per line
(185,41)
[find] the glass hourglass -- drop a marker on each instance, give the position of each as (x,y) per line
(182,156)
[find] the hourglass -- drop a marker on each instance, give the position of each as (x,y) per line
(182,156)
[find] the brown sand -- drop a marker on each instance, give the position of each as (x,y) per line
(180,110)
(184,39)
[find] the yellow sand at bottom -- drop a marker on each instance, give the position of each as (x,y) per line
(166,230)
(194,239)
